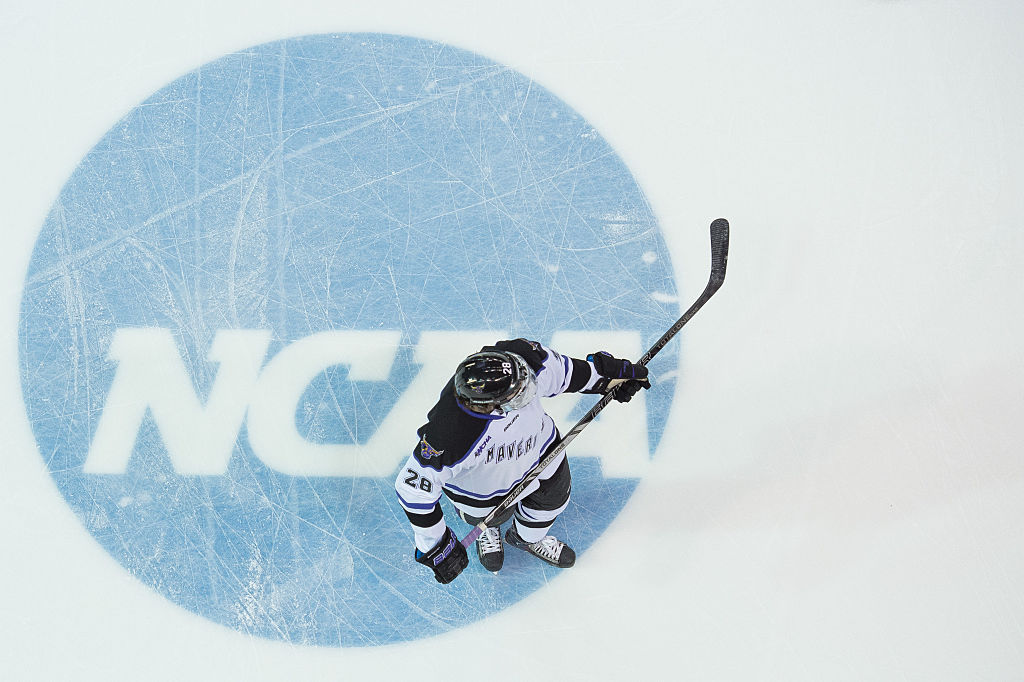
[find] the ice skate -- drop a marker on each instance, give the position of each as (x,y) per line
(490,550)
(550,548)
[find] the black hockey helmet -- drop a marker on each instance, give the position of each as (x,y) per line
(494,380)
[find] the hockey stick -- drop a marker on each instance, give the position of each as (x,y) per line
(719,258)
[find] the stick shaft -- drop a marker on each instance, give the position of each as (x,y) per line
(719,260)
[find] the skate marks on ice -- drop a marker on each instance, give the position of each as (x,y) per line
(249,292)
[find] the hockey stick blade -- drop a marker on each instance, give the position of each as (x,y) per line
(719,259)
(719,251)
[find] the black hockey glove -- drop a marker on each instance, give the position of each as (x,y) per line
(446,559)
(614,372)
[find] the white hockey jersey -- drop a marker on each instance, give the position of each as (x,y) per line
(476,459)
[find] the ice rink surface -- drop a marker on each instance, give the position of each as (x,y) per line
(837,494)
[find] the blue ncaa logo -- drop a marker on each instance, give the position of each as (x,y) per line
(251,290)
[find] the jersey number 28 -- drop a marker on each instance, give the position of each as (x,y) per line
(423,483)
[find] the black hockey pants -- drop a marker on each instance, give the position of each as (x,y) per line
(537,511)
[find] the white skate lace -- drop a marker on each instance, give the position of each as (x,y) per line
(550,547)
(490,541)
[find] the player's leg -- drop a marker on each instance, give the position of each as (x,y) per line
(537,512)
(489,548)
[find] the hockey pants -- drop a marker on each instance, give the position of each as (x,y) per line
(536,512)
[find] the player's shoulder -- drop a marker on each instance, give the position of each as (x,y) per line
(450,432)
(531,351)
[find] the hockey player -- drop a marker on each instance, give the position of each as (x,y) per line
(484,435)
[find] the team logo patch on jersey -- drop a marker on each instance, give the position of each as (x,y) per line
(428,452)
(250,292)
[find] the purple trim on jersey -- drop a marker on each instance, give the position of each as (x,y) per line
(488,496)
(415,505)
(542,365)
(496,492)
(554,432)
(471,413)
(471,447)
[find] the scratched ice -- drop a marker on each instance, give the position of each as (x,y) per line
(352,182)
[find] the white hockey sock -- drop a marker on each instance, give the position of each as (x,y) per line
(531,535)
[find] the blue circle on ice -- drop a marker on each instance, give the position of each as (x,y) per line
(276,254)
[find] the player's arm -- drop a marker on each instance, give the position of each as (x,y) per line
(599,373)
(609,372)
(419,493)
(445,442)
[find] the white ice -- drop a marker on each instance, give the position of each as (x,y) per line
(840,492)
